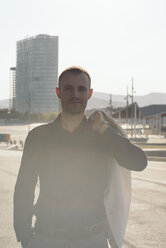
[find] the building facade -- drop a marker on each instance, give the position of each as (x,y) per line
(36,74)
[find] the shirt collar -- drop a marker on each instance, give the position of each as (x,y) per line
(82,125)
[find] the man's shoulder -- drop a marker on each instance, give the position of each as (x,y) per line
(43,131)
(42,128)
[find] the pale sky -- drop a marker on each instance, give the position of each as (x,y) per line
(114,40)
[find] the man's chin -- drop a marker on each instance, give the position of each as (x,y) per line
(74,110)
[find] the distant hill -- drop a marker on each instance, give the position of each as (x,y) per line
(152,98)
(101,100)
(119,100)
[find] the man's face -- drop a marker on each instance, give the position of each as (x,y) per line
(74,92)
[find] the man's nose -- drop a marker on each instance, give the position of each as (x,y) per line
(75,93)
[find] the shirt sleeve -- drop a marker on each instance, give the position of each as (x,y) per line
(24,192)
(126,154)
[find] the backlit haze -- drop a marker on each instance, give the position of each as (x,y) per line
(114,40)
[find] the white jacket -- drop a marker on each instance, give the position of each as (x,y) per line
(117,202)
(118,194)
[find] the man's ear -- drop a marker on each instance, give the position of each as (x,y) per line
(57,92)
(90,93)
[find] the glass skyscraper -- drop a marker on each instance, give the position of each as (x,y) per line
(36,74)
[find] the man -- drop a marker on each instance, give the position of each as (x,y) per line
(71,157)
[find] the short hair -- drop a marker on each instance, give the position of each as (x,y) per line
(74,70)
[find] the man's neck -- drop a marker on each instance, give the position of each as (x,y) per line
(71,121)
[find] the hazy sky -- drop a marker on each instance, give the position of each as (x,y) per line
(113,39)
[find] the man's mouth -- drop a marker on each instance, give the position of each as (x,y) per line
(74,101)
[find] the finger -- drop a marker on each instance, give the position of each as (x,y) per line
(94,115)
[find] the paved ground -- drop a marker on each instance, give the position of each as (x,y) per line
(9,163)
(147,221)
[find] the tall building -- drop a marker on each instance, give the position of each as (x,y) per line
(36,74)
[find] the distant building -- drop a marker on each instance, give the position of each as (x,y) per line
(155,115)
(152,117)
(36,74)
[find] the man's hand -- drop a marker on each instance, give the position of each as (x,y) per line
(98,121)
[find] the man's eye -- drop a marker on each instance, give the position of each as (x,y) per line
(68,88)
(82,89)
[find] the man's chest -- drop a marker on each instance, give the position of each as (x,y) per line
(73,156)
